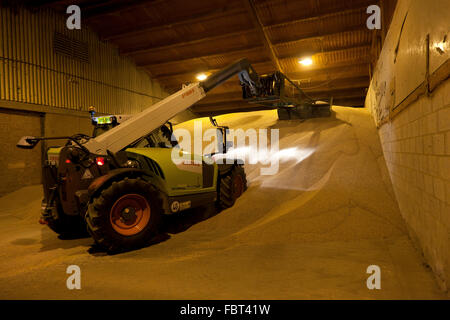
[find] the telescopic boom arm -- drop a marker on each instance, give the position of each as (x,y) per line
(155,116)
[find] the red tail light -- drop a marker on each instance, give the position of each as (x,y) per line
(100,161)
(68,161)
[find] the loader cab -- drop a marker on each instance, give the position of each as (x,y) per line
(98,130)
(159,138)
(105,123)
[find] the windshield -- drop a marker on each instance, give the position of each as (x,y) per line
(99,129)
(160,137)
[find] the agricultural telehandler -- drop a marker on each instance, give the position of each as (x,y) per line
(119,184)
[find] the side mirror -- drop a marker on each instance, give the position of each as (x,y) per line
(27,142)
(170,127)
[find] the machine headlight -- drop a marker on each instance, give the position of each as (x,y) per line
(132,164)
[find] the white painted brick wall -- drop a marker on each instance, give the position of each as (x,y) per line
(416,144)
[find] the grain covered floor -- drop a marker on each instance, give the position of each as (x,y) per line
(308,232)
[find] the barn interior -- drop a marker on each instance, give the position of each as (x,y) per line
(366,185)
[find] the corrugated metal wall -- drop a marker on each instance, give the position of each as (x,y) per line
(32,72)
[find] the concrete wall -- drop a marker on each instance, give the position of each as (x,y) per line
(18,167)
(45,91)
(409,97)
(65,125)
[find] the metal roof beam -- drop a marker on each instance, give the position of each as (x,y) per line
(326,13)
(333,72)
(209,56)
(221,12)
(109,8)
(185,43)
(321,35)
(262,33)
(259,62)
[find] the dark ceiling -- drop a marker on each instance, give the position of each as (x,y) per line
(174,40)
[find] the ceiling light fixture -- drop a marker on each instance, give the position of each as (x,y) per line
(306,61)
(201,77)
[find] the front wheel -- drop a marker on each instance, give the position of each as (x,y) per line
(126,215)
(231,186)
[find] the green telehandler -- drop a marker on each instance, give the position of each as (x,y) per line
(120,182)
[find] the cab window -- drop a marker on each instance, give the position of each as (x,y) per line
(100,129)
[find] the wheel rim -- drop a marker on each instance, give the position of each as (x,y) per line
(130,214)
(238,186)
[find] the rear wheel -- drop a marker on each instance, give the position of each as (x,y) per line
(322,111)
(67,226)
(125,215)
(283,114)
(231,186)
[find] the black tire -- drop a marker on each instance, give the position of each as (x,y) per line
(324,111)
(67,226)
(99,216)
(283,114)
(228,193)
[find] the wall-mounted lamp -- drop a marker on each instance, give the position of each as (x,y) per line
(440,46)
